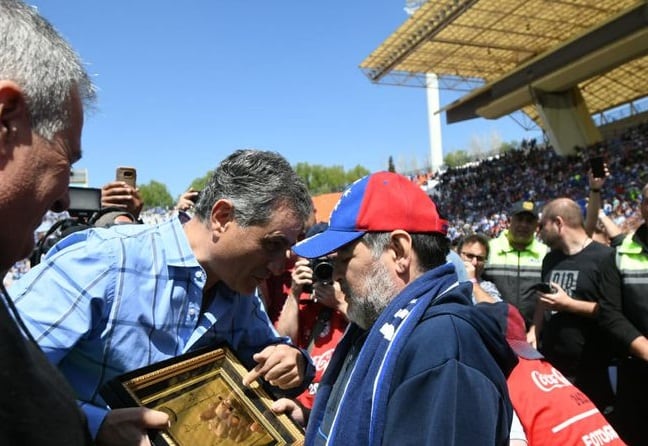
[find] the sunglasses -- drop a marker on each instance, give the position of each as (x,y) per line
(472,257)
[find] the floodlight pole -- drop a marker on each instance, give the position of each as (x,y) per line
(434,121)
(433,103)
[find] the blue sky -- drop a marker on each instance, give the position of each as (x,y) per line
(183,84)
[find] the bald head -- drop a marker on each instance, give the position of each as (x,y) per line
(565,208)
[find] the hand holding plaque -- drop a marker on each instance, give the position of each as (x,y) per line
(206,403)
(121,426)
(280,365)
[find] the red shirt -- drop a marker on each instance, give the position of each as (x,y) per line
(323,345)
(553,411)
(278,288)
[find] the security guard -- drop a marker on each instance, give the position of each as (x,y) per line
(515,259)
(628,321)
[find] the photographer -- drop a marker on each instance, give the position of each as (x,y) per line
(119,194)
(186,203)
(314,313)
(88,208)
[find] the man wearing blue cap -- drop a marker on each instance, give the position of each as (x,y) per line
(418,362)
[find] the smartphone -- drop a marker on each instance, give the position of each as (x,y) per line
(544,287)
(196,197)
(597,164)
(128,175)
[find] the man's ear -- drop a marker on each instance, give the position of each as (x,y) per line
(15,122)
(222,213)
(400,248)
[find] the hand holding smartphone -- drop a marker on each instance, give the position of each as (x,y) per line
(128,175)
(597,164)
(544,287)
(196,196)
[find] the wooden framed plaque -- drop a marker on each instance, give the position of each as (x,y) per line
(207,404)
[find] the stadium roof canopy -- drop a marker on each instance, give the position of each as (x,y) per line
(501,51)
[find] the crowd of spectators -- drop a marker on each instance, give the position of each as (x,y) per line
(475,197)
(148,216)
(103,295)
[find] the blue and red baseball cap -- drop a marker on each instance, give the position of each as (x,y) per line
(380,202)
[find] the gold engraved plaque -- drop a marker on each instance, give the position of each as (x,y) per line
(207,404)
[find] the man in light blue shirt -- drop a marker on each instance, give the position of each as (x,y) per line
(107,301)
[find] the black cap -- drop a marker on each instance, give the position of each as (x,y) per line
(524,206)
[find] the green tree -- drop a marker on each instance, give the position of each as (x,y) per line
(390,164)
(508,146)
(199,183)
(155,194)
(456,158)
(355,173)
(320,179)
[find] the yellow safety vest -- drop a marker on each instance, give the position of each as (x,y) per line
(514,272)
(632,261)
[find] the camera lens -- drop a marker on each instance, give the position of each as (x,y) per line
(323,271)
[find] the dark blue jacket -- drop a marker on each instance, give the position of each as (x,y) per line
(447,385)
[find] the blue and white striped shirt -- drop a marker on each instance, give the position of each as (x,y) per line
(107,301)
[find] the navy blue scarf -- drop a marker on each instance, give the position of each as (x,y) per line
(360,417)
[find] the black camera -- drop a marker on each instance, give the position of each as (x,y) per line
(84,202)
(322,272)
(84,209)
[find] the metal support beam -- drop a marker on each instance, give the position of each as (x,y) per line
(621,39)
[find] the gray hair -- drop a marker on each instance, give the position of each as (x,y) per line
(257,183)
(431,249)
(377,242)
(43,64)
